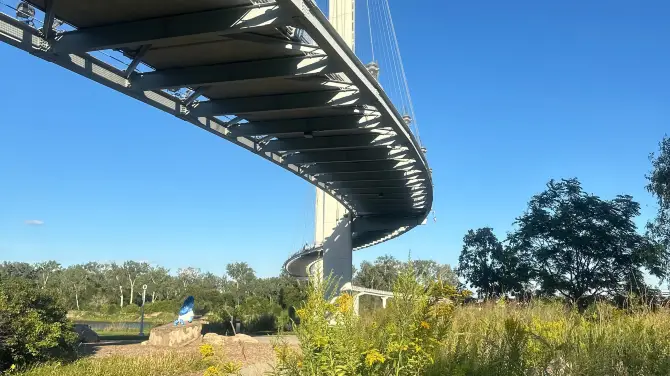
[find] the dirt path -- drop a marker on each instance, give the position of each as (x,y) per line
(257,358)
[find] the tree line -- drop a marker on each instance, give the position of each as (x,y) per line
(112,286)
(575,244)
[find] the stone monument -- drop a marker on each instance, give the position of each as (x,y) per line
(182,332)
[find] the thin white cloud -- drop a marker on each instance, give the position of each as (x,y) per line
(34,222)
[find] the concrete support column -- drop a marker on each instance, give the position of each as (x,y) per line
(357,303)
(384,302)
(343,18)
(337,255)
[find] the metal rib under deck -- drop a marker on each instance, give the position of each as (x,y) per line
(273,77)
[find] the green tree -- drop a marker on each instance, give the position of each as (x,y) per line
(133,270)
(158,279)
(380,275)
(46,270)
(658,185)
(75,279)
(33,326)
(491,267)
(241,275)
(18,270)
(583,245)
(428,271)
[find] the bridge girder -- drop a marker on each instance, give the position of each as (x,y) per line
(144,32)
(360,167)
(329,143)
(176,78)
(374,154)
(246,105)
(307,125)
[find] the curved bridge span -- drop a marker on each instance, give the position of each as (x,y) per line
(273,77)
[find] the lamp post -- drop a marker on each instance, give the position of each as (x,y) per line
(144,296)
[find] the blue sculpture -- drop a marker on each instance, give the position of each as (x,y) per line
(186,312)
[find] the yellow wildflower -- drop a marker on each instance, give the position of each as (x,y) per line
(345,303)
(373,356)
(206,351)
(212,371)
(231,368)
(425,325)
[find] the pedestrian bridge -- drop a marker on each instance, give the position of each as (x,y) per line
(272,77)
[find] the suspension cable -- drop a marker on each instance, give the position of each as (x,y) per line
(404,75)
(372,43)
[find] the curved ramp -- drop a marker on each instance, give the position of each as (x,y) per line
(272,77)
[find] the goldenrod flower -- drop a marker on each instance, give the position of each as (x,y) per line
(212,371)
(206,351)
(425,325)
(345,303)
(373,356)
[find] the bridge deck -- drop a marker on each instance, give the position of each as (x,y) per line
(270,76)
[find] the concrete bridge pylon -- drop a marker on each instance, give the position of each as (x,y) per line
(333,226)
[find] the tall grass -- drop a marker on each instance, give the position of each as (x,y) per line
(416,335)
(549,339)
(156,364)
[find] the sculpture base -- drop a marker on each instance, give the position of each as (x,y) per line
(175,336)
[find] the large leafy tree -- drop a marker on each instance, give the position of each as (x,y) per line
(583,245)
(380,275)
(489,266)
(428,271)
(659,186)
(132,270)
(75,280)
(46,270)
(242,275)
(18,270)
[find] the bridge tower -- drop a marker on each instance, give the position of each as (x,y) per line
(330,214)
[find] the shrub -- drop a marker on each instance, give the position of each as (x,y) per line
(130,309)
(33,326)
(401,340)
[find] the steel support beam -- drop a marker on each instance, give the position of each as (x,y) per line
(369,176)
(247,105)
(371,224)
(274,42)
(49,17)
(137,59)
(382,196)
(360,167)
(329,143)
(217,22)
(214,74)
(380,190)
(372,184)
(375,154)
(304,125)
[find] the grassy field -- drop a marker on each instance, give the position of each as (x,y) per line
(548,339)
(166,364)
(537,339)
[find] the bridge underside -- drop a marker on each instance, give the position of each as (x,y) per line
(273,77)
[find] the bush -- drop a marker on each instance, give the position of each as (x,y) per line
(166,306)
(130,309)
(33,326)
(401,340)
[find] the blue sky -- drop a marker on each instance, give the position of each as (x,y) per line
(508,95)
